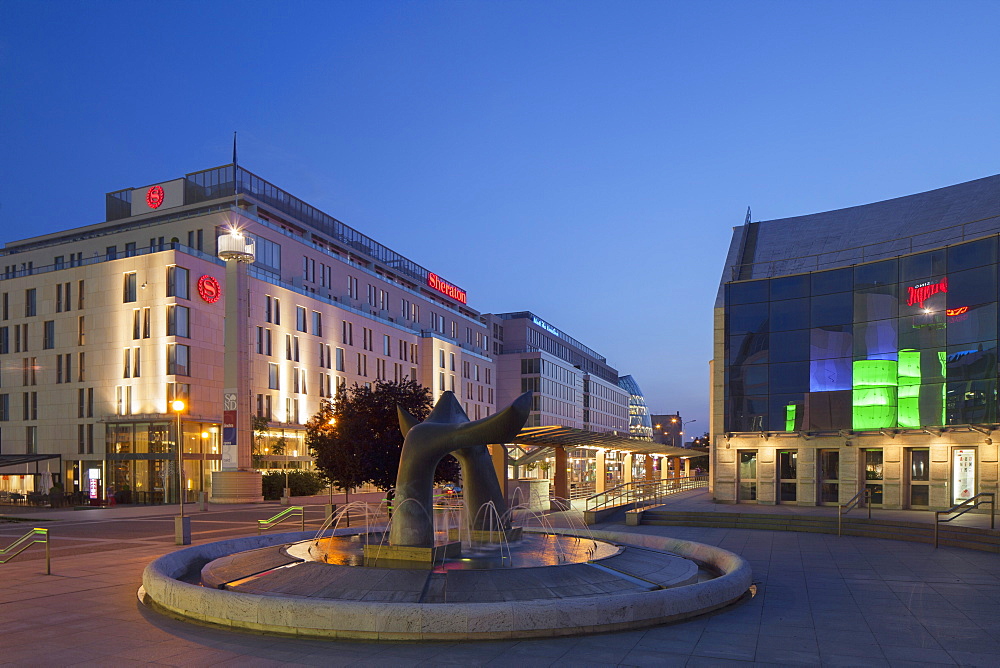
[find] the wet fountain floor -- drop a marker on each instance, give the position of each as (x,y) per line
(532,549)
(276,571)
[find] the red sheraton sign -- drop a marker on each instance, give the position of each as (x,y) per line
(154,197)
(209,289)
(444,287)
(921,293)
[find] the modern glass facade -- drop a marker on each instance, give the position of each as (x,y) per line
(640,425)
(902,343)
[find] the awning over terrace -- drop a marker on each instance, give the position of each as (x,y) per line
(568,437)
(15,460)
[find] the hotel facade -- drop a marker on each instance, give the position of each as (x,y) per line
(856,350)
(103,326)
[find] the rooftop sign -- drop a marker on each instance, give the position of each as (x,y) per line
(435,282)
(164,195)
(546,326)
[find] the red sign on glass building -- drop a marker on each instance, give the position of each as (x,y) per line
(921,293)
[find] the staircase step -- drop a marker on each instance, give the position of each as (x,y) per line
(972,538)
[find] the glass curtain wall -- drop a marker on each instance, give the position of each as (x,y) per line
(897,344)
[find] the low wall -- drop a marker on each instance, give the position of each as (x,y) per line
(450,621)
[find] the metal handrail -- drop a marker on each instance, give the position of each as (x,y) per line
(642,492)
(855,501)
(968,504)
(22,544)
(281,517)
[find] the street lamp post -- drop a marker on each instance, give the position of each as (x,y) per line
(680,430)
(182,524)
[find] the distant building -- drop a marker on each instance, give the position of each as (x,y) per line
(639,423)
(669,429)
(573,385)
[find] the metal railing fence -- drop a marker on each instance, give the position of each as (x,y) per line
(960,509)
(26,541)
(643,493)
(281,517)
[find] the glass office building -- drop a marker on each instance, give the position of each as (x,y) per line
(871,363)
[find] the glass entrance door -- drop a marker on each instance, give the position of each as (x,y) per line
(874,475)
(748,475)
(788,474)
(919,474)
(829,476)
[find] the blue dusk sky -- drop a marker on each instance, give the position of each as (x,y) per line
(582,160)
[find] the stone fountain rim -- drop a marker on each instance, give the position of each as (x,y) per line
(378,620)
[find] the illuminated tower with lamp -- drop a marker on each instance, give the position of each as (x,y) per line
(237,482)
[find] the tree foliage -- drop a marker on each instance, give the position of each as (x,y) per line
(355,439)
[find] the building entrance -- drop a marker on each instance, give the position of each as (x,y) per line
(748,475)
(918,477)
(788,473)
(874,474)
(829,476)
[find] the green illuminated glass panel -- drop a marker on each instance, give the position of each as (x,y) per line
(908,392)
(790,411)
(874,395)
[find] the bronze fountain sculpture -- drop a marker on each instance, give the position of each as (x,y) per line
(447,430)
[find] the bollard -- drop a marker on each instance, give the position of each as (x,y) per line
(182,530)
(286,497)
(203,500)
(330,510)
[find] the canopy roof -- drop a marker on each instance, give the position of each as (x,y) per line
(14,460)
(568,437)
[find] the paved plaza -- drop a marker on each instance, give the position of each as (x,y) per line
(820,600)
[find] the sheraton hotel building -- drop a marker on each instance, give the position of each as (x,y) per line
(121,338)
(856,350)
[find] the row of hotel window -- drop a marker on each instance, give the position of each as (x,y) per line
(85,401)
(64,300)
(379,299)
(408,352)
(156,244)
(410,311)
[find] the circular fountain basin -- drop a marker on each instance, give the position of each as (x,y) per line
(256,584)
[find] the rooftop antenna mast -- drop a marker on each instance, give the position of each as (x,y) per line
(236,176)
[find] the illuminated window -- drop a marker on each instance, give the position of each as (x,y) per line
(177,282)
(178,321)
(129,288)
(178,359)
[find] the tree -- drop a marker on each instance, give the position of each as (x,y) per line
(356,438)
